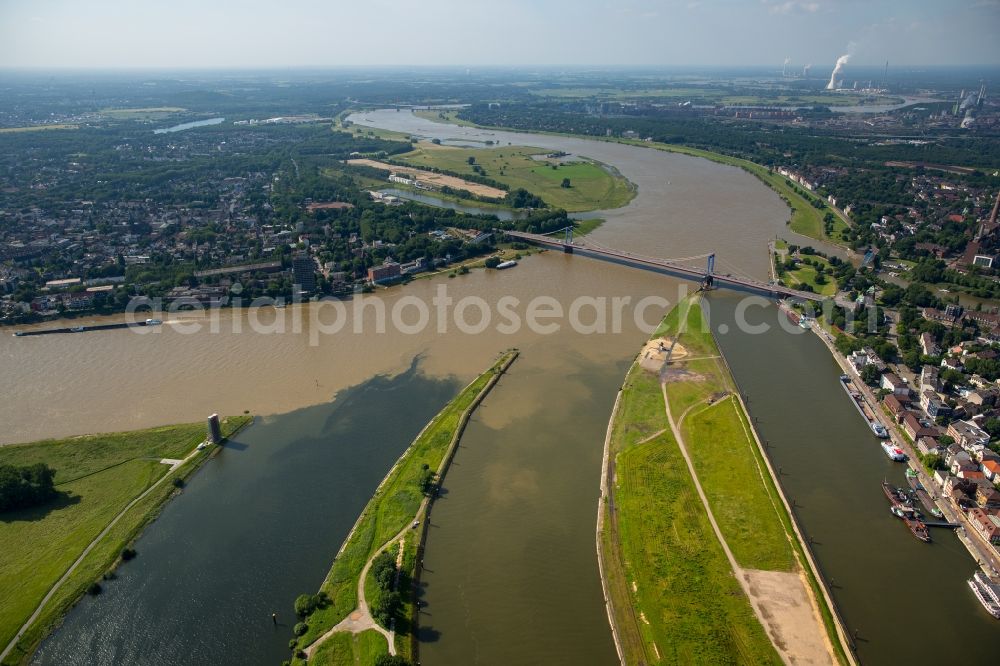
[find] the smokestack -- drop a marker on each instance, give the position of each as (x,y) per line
(838,68)
(996,209)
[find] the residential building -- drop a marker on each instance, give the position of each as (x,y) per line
(988,497)
(986,523)
(928,346)
(930,378)
(896,406)
(304,273)
(387,272)
(933,405)
(968,434)
(928,445)
(952,364)
(991,470)
(892,382)
(915,429)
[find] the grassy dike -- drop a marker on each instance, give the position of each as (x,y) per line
(397,502)
(671,591)
(99,475)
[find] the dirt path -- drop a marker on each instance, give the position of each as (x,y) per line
(360,619)
(780,600)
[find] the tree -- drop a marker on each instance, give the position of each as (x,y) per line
(22,487)
(870,375)
(471,160)
(492,262)
(565,183)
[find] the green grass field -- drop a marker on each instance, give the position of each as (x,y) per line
(593,187)
(673,593)
(392,507)
(100,475)
(806,274)
(347,649)
(669,582)
(723,453)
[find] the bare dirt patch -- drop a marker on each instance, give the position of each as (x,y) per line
(791,620)
(325,205)
(654,354)
(436,180)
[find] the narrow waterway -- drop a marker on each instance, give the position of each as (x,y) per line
(257,526)
(907,601)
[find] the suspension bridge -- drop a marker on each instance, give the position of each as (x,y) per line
(707,275)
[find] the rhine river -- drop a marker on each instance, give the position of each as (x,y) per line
(511,572)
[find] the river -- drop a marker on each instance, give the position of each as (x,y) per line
(511,568)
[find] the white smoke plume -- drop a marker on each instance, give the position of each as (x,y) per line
(838,68)
(784,66)
(805,70)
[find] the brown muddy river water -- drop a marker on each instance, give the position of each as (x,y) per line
(511,565)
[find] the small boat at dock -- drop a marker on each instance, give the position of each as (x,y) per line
(893,452)
(506,264)
(902,508)
(987,592)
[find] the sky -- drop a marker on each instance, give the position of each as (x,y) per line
(182,34)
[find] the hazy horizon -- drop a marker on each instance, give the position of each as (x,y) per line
(309,34)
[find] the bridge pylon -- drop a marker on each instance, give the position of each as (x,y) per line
(568,240)
(709,281)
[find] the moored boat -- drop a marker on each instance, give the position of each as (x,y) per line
(909,516)
(893,451)
(987,592)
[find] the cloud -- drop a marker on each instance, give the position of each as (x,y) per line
(790,6)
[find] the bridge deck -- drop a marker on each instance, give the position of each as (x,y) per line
(774,290)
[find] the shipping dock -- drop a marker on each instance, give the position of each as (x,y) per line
(859,403)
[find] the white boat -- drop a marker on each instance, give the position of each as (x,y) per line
(805,323)
(879,430)
(893,451)
(153,322)
(987,592)
(506,264)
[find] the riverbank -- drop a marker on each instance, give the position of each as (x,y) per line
(806,219)
(112,486)
(668,561)
(982,552)
(400,504)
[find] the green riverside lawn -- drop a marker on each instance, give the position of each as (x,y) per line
(100,475)
(670,586)
(394,505)
(592,185)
